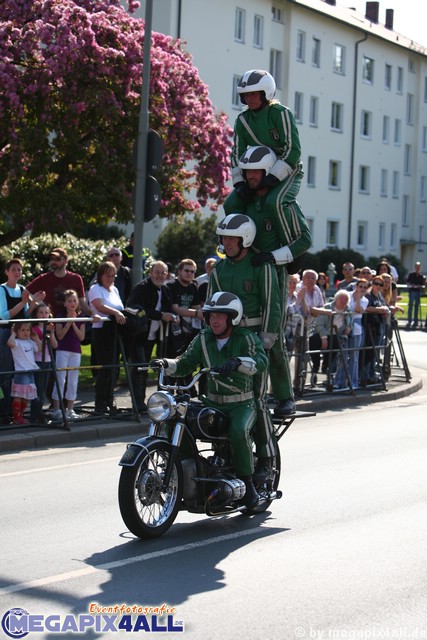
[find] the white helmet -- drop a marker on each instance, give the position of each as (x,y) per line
(238,225)
(258,158)
(224,302)
(256,80)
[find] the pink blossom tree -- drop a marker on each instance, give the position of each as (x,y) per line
(71,72)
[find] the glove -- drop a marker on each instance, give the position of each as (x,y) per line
(158,364)
(260,258)
(243,190)
(231,365)
(270,181)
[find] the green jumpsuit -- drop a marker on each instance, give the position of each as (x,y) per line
(278,224)
(258,290)
(234,394)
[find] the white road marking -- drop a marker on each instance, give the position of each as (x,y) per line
(57,466)
(70,575)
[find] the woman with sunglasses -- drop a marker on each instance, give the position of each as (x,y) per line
(357,303)
(375,318)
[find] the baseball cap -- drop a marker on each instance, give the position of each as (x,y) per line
(59,252)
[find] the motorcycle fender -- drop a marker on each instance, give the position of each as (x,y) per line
(136,449)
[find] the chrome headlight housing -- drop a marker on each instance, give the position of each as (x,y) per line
(161,406)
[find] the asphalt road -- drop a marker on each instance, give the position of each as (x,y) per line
(342,555)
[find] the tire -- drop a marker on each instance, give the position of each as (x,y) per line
(271,484)
(147,511)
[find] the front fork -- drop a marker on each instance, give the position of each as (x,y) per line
(176,439)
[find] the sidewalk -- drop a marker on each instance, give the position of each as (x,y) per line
(124,425)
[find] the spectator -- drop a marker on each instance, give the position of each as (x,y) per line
(123,281)
(349,277)
(322,283)
(328,333)
(105,302)
(23,385)
(154,297)
(42,357)
(357,303)
(203,279)
(15,303)
(415,282)
(185,304)
(366,273)
(309,301)
(375,330)
(393,269)
(58,280)
(68,356)
(293,326)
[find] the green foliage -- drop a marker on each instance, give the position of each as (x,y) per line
(195,238)
(84,256)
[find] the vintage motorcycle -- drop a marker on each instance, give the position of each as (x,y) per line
(184,463)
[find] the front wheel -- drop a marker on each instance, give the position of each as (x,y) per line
(147,508)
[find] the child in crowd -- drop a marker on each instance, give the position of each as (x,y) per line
(23,385)
(68,354)
(44,361)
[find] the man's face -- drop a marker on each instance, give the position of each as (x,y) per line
(158,275)
(231,246)
(186,274)
(57,263)
(115,257)
(254,178)
(218,324)
(348,271)
(253,99)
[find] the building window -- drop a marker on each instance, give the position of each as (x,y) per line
(332,233)
(314,111)
(399,88)
(366,124)
(311,171)
(410,109)
(334,180)
(405,211)
(425,89)
(407,160)
(235,97)
(420,238)
(388,75)
(239,25)
(258,31)
(393,236)
(381,235)
(362,234)
(276,66)
(339,59)
(424,139)
(384,182)
(386,129)
(423,189)
(276,14)
(396,189)
(337,116)
(411,65)
(364,179)
(397,132)
(315,57)
(301,46)
(298,106)
(368,70)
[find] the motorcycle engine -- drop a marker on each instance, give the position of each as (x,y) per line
(228,490)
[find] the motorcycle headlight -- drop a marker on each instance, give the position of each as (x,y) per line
(161,406)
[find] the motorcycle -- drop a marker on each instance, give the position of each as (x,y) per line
(184,463)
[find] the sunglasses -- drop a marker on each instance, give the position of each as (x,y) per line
(111,255)
(379,284)
(189,270)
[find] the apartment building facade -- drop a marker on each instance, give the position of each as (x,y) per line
(358,91)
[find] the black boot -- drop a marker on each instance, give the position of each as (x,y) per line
(251,497)
(263,468)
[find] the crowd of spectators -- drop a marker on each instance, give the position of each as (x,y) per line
(344,326)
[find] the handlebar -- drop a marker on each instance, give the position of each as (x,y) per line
(181,387)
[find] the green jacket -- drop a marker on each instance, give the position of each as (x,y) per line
(242,343)
(258,290)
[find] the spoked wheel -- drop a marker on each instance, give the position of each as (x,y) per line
(270,483)
(148,509)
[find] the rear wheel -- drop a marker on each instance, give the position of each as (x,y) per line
(147,508)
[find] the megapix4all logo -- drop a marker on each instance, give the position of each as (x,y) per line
(18,623)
